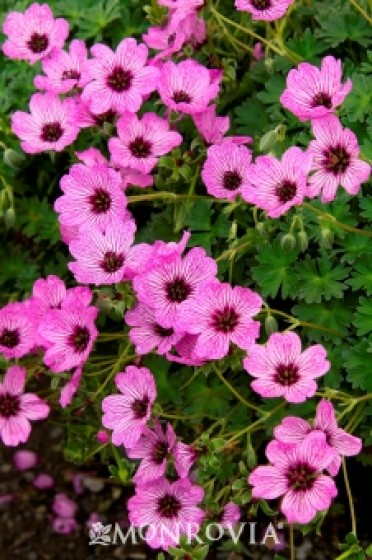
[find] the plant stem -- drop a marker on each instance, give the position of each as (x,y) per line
(291,542)
(114,370)
(251,427)
(300,323)
(234,391)
(350,498)
(232,252)
(330,218)
(361,10)
(172,197)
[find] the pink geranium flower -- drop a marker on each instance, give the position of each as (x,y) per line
(219,315)
(142,141)
(50,126)
(86,119)
(312,93)
(186,354)
(165,287)
(188,87)
(296,474)
(93,196)
(184,457)
(169,508)
(17,335)
(146,334)
(120,79)
(33,34)
(18,408)
(69,334)
(276,186)
(153,447)
(283,370)
(335,154)
(294,430)
(226,170)
(267,10)
(230,515)
(64,70)
(69,390)
(102,256)
(128,413)
(212,127)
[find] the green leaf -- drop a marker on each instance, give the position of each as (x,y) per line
(337,28)
(210,398)
(318,280)
(251,117)
(362,275)
(358,103)
(354,245)
(357,363)
(274,272)
(307,46)
(363,319)
(335,319)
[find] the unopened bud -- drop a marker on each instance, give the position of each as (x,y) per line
(271,325)
(13,159)
(288,242)
(261,228)
(326,238)
(303,241)
(9,217)
(268,140)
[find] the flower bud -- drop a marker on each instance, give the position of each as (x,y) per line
(326,238)
(303,241)
(9,217)
(288,242)
(271,325)
(13,159)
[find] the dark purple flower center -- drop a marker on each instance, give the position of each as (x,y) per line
(322,99)
(159,452)
(171,39)
(108,116)
(100,201)
(178,290)
(161,331)
(140,148)
(286,191)
(71,75)
(112,262)
(79,339)
(232,180)
(140,407)
(301,476)
(51,132)
(37,43)
(181,97)
(9,338)
(119,80)
(286,374)
(168,506)
(261,4)
(336,159)
(225,320)
(9,405)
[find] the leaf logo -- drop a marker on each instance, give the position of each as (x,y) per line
(98,534)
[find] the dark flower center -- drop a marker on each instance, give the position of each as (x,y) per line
(161,331)
(100,201)
(178,290)
(261,4)
(37,43)
(301,477)
(168,506)
(140,407)
(79,339)
(112,262)
(322,99)
(120,80)
(225,320)
(171,39)
(71,75)
(159,452)
(140,148)
(9,405)
(181,97)
(286,191)
(232,180)
(286,374)
(51,132)
(9,338)
(109,116)
(336,160)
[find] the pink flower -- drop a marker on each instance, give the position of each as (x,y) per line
(102,256)
(295,473)
(50,126)
(153,448)
(134,178)
(184,458)
(294,430)
(64,71)
(219,315)
(93,197)
(64,525)
(335,154)
(86,119)
(24,459)
(43,481)
(63,506)
(230,515)
(69,334)
(312,93)
(165,287)
(267,10)
(32,35)
(226,170)
(102,436)
(258,51)
(69,390)
(92,157)
(127,414)
(142,142)
(276,186)
(169,508)
(17,336)
(146,334)
(186,354)
(211,127)
(188,87)
(283,370)
(120,79)
(18,408)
